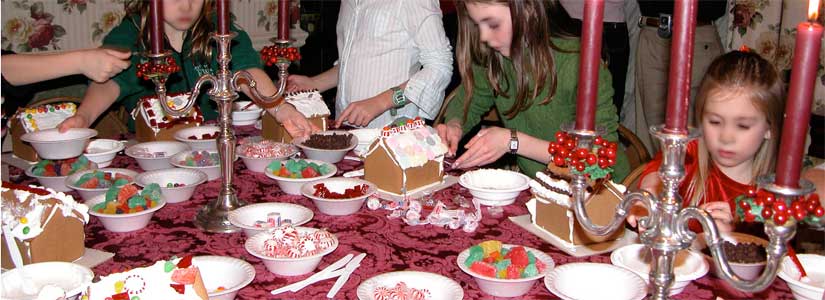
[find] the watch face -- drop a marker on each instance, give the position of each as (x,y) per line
(513,145)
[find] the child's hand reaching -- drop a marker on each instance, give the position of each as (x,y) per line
(101,64)
(721,214)
(636,212)
(76,121)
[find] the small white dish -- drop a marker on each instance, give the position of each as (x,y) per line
(574,281)
(258,164)
(189,177)
(89,193)
(184,135)
(500,287)
(285,266)
(747,271)
(438,286)
(293,186)
(51,144)
(70,277)
(229,273)
(103,151)
(155,155)
(212,171)
(687,265)
(246,216)
(338,207)
(494,187)
(245,117)
(123,222)
(814,287)
(327,155)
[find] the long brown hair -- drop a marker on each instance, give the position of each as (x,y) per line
(530,50)
(199,32)
(756,78)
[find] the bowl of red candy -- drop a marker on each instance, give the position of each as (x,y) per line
(338,196)
(199,137)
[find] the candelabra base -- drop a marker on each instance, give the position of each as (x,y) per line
(214,216)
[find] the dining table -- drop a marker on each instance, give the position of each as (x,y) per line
(390,244)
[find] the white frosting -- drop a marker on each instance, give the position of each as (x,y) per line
(309,103)
(46,116)
(157,112)
(151,282)
(34,217)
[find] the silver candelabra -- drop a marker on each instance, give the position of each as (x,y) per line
(665,230)
(224,91)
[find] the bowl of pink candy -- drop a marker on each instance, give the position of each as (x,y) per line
(177,185)
(204,161)
(155,155)
(294,173)
(291,251)
(504,270)
(52,173)
(91,183)
(257,153)
(126,208)
(199,137)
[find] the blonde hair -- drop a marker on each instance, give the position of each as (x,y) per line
(756,78)
(531,52)
(199,33)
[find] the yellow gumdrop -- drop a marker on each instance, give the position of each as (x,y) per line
(502,274)
(24,220)
(490,247)
(119,286)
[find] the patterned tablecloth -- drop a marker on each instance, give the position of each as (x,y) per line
(390,244)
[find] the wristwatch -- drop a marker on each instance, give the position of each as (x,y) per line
(398,100)
(513,141)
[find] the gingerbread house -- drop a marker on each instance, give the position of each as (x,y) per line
(153,124)
(309,103)
(175,279)
(41,225)
(36,118)
(408,156)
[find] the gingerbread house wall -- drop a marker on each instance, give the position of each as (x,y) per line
(144,133)
(62,239)
(272,130)
(20,148)
(553,218)
(381,170)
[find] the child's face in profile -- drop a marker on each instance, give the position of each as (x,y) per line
(181,14)
(733,128)
(494,25)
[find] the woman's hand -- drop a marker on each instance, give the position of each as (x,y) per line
(101,64)
(294,122)
(450,134)
(484,148)
(721,214)
(76,121)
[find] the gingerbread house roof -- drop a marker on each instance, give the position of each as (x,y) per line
(309,103)
(156,119)
(45,116)
(28,209)
(410,145)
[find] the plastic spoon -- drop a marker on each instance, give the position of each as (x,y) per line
(803,276)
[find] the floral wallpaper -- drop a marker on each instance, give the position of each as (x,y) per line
(769,28)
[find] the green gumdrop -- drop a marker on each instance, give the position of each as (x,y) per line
(100,206)
(79,165)
(530,271)
(476,254)
(152,191)
(275,166)
(502,264)
(100,175)
(324,169)
(111,193)
(120,181)
(168,266)
(84,178)
(504,251)
(136,201)
(531,258)
(42,164)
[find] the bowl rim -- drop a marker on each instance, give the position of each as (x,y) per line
(88,134)
(202,177)
(233,215)
(794,282)
(729,236)
(77,290)
(353,142)
(117,149)
(550,265)
(71,179)
(462,181)
(92,202)
(259,109)
(268,173)
(180,138)
(295,151)
(174,160)
(261,235)
(703,269)
(371,190)
(553,275)
(177,143)
(247,267)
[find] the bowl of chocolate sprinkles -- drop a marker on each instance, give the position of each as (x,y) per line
(329,146)
(745,253)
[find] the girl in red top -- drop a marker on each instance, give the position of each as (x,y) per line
(739,108)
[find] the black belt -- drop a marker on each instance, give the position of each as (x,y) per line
(664,24)
(655,22)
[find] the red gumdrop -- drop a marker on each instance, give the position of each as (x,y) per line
(483,269)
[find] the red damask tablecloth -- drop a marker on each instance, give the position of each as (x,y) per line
(390,244)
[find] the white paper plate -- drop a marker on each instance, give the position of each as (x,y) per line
(687,265)
(440,287)
(574,281)
(245,217)
(222,271)
(70,277)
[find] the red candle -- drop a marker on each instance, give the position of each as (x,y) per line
(223,17)
(591,45)
(283,19)
(681,61)
(156,26)
(798,104)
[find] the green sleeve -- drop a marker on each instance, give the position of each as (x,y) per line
(123,37)
(243,55)
(608,118)
(480,104)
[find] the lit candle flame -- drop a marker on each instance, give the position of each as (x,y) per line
(813,10)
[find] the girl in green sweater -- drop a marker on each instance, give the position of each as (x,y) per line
(509,59)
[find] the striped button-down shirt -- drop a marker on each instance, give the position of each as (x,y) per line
(384,43)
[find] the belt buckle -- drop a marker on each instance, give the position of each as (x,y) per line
(665,26)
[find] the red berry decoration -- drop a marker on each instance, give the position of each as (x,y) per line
(272,54)
(594,163)
(760,206)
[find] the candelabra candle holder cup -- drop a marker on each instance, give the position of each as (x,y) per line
(665,228)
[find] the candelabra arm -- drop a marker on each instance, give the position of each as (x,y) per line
(578,187)
(245,78)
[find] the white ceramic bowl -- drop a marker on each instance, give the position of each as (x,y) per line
(365,138)
(258,164)
(687,266)
(91,193)
(57,183)
(198,131)
(70,277)
(439,286)
(51,144)
(103,151)
(814,287)
(574,281)
(506,287)
(286,266)
(164,149)
(293,186)
(748,271)
(330,156)
(123,222)
(246,216)
(230,273)
(245,117)
(338,207)
(494,187)
(191,179)
(212,172)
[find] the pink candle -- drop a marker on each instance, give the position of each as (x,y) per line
(156,26)
(798,104)
(223,17)
(283,19)
(591,46)
(681,61)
